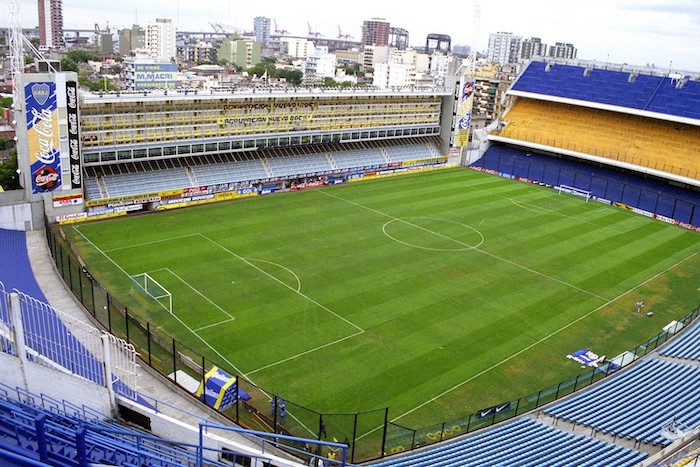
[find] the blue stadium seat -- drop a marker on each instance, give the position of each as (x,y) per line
(654,93)
(686,346)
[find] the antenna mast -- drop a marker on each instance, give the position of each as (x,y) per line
(16,55)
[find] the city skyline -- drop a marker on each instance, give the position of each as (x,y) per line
(661,33)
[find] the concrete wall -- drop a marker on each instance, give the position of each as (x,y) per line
(61,386)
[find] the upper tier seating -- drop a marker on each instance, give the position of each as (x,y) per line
(60,433)
(612,87)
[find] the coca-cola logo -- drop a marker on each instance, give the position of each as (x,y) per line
(46,178)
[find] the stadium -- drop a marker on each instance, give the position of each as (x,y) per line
(357,276)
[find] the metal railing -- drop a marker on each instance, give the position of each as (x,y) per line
(369,435)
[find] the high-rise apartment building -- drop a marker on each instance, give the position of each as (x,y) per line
(504,47)
(261,29)
(563,50)
(131,39)
(51,23)
(375,32)
(160,40)
(532,47)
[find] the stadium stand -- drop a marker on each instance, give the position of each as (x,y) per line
(39,427)
(15,267)
(686,346)
(648,194)
(523,442)
(665,146)
(631,117)
(620,86)
(629,406)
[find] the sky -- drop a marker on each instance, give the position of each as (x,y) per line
(662,33)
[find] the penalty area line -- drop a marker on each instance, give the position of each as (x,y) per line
(306,352)
(204,341)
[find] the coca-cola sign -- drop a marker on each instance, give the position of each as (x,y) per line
(46,178)
(43,135)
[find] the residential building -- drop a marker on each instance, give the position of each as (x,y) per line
(532,47)
(131,39)
(563,50)
(504,47)
(375,32)
(261,29)
(160,39)
(240,53)
(50,24)
(297,48)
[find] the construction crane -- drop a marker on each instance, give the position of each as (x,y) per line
(342,36)
(312,33)
(278,31)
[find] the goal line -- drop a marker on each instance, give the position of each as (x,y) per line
(154,289)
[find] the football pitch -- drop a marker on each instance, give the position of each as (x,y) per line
(433,294)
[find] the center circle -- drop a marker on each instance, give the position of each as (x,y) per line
(434,234)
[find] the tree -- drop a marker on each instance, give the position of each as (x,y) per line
(82,56)
(293,77)
(6,102)
(9,178)
(68,65)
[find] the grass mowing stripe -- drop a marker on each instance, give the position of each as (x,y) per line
(431,318)
(192,331)
(480,250)
(627,292)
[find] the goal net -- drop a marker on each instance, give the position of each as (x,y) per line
(572,190)
(154,290)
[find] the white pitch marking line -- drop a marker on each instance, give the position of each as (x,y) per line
(204,341)
(323,307)
(200,294)
(512,263)
(215,324)
(137,245)
(553,333)
(304,353)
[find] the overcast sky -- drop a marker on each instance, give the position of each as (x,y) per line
(665,33)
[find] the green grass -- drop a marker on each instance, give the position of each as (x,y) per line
(434,294)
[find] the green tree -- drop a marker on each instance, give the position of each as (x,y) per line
(68,65)
(82,56)
(6,143)
(293,77)
(9,178)
(6,102)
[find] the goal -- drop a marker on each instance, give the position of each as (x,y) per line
(154,290)
(572,190)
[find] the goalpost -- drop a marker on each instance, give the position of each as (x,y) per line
(572,190)
(154,290)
